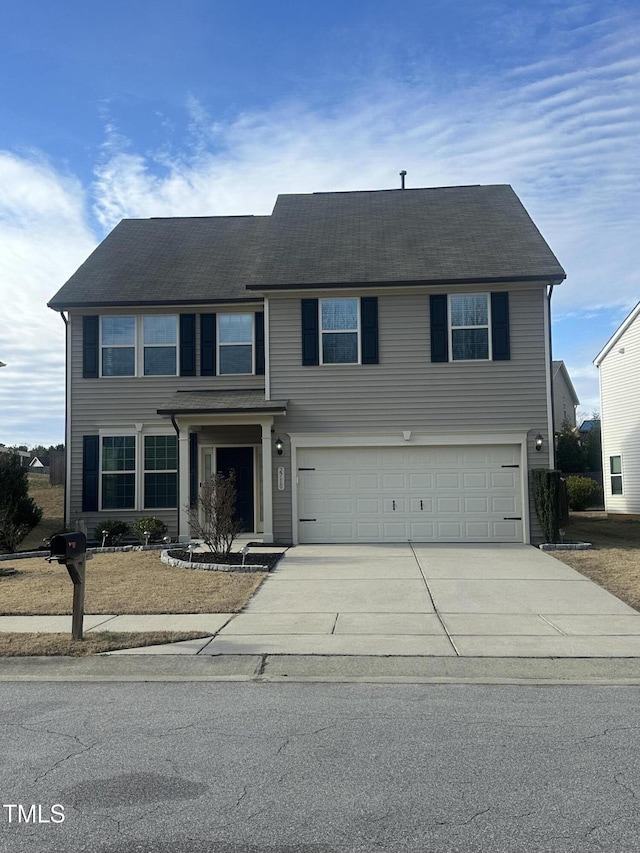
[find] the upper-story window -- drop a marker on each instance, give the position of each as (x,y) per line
(469,326)
(340,331)
(235,343)
(120,355)
(118,341)
(160,339)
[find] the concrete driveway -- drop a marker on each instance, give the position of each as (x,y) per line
(434,600)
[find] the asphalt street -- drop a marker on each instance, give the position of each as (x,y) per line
(255,767)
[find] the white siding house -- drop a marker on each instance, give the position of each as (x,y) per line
(619,366)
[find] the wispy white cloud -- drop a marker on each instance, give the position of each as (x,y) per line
(43,238)
(563,131)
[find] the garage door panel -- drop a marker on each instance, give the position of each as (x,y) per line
(424,494)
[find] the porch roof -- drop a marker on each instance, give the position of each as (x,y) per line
(222,402)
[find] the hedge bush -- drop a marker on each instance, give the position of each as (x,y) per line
(582,491)
(546,497)
(115,531)
(152,526)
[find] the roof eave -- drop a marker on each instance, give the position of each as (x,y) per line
(141,303)
(555,279)
(613,340)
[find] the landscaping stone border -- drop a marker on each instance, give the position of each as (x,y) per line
(27,555)
(565,546)
(210,567)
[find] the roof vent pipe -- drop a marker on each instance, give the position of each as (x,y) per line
(402,177)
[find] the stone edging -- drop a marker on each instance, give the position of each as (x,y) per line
(209,567)
(44,553)
(565,546)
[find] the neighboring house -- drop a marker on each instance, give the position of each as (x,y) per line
(39,464)
(619,366)
(375,367)
(23,454)
(565,398)
(588,426)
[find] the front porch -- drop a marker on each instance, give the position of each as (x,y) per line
(220,431)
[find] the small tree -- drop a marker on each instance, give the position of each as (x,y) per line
(569,453)
(18,512)
(212,517)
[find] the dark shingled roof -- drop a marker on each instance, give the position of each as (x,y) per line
(206,402)
(168,261)
(442,235)
(445,234)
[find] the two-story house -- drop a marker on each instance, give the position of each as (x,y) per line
(375,366)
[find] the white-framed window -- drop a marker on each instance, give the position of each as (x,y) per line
(137,474)
(118,471)
(160,472)
(120,354)
(615,472)
(339,331)
(160,345)
(235,343)
(469,327)
(118,346)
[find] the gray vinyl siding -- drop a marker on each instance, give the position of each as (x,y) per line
(406,391)
(119,403)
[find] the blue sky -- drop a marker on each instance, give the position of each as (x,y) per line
(158,108)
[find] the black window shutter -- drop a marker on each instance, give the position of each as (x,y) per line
(310,337)
(90,472)
(500,327)
(369,329)
(187,345)
(193,468)
(90,347)
(207,344)
(439,328)
(260,343)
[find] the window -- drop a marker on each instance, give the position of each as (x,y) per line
(160,471)
(469,331)
(340,331)
(615,467)
(159,336)
(118,472)
(160,339)
(118,342)
(235,343)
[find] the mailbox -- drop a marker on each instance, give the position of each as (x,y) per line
(68,547)
(71,550)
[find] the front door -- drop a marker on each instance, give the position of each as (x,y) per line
(240,459)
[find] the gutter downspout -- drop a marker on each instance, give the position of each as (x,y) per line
(67,421)
(177,429)
(552,414)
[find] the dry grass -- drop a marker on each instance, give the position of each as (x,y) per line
(614,561)
(23,645)
(51,500)
(125,582)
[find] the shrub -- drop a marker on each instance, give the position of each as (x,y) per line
(18,512)
(111,531)
(546,496)
(149,528)
(582,491)
(213,515)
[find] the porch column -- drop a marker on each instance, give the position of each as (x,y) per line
(183,485)
(267,486)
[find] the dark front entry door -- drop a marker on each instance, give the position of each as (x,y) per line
(240,459)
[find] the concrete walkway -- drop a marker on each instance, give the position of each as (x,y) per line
(402,600)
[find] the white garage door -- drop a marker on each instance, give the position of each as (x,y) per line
(420,494)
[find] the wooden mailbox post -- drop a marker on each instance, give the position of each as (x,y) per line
(70,549)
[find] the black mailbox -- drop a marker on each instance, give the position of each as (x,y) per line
(68,546)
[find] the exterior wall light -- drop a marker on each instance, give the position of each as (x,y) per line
(539,441)
(279,446)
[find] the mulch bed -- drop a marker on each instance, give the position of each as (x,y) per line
(269,560)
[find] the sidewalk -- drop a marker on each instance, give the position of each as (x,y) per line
(400,601)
